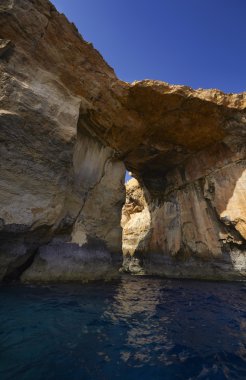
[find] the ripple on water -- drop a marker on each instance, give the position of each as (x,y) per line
(146,328)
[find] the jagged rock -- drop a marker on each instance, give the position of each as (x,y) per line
(135,221)
(68,128)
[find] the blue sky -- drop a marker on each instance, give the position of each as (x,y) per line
(199,43)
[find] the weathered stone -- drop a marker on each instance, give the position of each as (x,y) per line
(50,163)
(68,128)
(136,220)
(5,46)
(196,230)
(59,262)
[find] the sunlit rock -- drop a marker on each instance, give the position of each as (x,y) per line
(69,129)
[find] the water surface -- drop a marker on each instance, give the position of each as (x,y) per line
(136,328)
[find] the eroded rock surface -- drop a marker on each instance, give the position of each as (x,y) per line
(187,234)
(51,165)
(68,129)
(136,224)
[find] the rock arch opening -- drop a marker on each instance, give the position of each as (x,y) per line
(68,129)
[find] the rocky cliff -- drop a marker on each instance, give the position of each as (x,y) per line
(59,181)
(193,179)
(68,130)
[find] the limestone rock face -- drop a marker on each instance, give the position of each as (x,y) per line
(56,179)
(136,224)
(197,229)
(191,168)
(135,216)
(59,262)
(68,129)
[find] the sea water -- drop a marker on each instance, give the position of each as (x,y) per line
(135,328)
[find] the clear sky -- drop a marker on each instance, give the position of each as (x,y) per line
(199,43)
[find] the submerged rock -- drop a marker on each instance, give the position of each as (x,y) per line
(68,130)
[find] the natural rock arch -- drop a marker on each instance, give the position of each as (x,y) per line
(68,127)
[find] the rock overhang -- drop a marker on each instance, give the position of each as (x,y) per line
(59,97)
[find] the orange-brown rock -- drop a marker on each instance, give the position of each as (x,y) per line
(68,129)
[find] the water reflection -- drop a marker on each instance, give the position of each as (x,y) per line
(174,324)
(137,327)
(135,307)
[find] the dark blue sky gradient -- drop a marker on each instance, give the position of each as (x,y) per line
(200,43)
